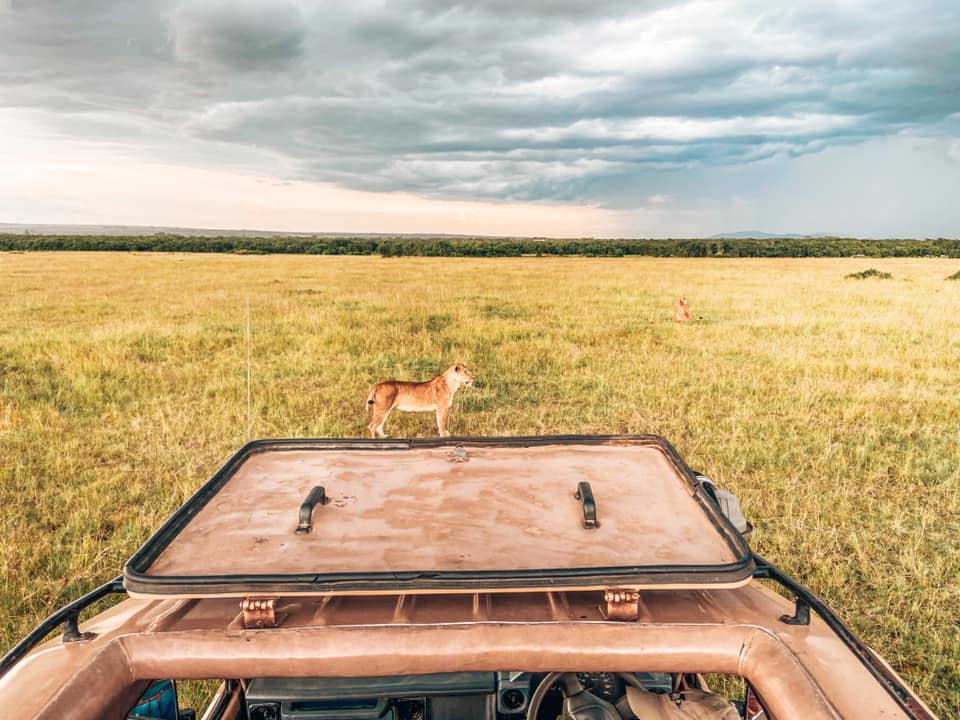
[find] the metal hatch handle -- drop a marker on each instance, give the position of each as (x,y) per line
(317,495)
(585,496)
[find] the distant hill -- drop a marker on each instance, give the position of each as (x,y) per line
(160,230)
(756,234)
(150,230)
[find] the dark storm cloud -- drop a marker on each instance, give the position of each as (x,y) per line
(239,34)
(494,99)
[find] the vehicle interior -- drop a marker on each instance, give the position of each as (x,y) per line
(507,695)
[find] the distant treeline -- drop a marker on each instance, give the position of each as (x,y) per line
(488,247)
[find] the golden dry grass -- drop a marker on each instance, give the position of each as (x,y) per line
(829,405)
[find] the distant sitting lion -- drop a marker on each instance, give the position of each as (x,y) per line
(682,310)
(432,395)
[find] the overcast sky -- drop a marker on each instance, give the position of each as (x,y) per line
(565,118)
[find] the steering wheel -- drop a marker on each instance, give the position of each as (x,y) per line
(567,680)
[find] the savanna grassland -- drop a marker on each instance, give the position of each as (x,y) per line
(830,405)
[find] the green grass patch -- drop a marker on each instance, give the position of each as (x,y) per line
(871,273)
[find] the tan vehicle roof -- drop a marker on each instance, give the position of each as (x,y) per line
(439,517)
(799,671)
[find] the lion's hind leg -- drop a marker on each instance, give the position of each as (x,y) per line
(384,398)
(375,428)
(380,415)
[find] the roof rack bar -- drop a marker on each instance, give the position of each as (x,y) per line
(317,495)
(68,614)
(71,629)
(807,600)
(801,613)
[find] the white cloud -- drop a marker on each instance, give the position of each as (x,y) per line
(680,129)
(953,150)
(564,86)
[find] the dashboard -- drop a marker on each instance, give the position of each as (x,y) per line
(437,696)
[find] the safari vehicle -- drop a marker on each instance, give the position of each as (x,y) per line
(508,579)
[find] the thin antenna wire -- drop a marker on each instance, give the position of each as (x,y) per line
(249,381)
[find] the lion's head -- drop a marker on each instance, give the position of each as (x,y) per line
(461,374)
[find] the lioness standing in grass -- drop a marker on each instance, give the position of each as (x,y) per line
(432,395)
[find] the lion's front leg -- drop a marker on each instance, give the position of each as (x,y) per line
(442,415)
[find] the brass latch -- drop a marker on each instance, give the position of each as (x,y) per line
(622,604)
(259,612)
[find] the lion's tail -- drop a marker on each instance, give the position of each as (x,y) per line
(370,398)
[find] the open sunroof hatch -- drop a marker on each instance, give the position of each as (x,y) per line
(449,515)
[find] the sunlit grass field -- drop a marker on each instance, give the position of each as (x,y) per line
(830,405)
